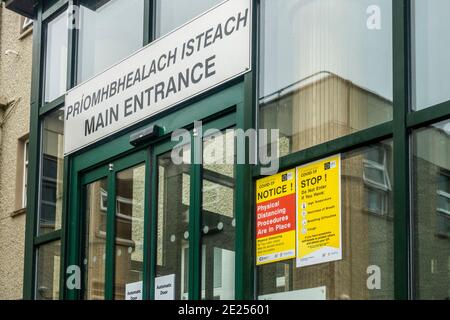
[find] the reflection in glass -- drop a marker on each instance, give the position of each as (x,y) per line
(52,162)
(432,52)
(109,31)
(96,201)
(218,218)
(326,69)
(129,245)
(174,13)
(47,271)
(172,255)
(367,237)
(56,58)
(431,203)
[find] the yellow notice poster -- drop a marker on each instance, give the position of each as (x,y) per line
(275,218)
(319,212)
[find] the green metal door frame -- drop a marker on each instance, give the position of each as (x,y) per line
(195,208)
(217,110)
(110,172)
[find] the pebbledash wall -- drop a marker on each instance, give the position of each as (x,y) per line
(114,217)
(15,84)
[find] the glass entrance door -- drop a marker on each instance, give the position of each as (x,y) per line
(218,223)
(149,222)
(114,206)
(195,224)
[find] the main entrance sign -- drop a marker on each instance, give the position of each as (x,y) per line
(213,48)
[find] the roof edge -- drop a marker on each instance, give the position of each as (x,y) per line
(23,7)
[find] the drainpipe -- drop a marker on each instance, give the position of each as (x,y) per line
(3,106)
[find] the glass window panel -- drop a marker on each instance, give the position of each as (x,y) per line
(367,242)
(172,253)
(174,13)
(95,240)
(431,52)
(326,69)
(374,174)
(444,203)
(218,218)
(376,201)
(129,250)
(376,155)
(47,271)
(431,174)
(48,3)
(56,58)
(52,172)
(109,31)
(444,183)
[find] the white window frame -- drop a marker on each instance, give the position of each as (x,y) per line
(386,186)
(25,173)
(25,26)
(26,23)
(383,211)
(376,186)
(442,193)
(119,200)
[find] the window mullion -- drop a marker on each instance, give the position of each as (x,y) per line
(195,218)
(110,236)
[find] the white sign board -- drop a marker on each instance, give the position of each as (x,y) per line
(133,291)
(165,287)
(209,50)
(319,293)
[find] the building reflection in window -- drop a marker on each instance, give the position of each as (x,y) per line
(367,236)
(172,251)
(129,244)
(326,72)
(52,172)
(431,207)
(47,271)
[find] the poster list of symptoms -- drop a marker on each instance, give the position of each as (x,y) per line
(319,212)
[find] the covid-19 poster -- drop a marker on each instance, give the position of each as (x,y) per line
(319,212)
(275,218)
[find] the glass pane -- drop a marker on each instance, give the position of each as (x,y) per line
(374,174)
(432,52)
(47,271)
(96,198)
(109,31)
(52,172)
(326,69)
(376,201)
(172,252)
(48,3)
(444,183)
(56,58)
(431,172)
(366,270)
(174,13)
(218,218)
(444,204)
(129,257)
